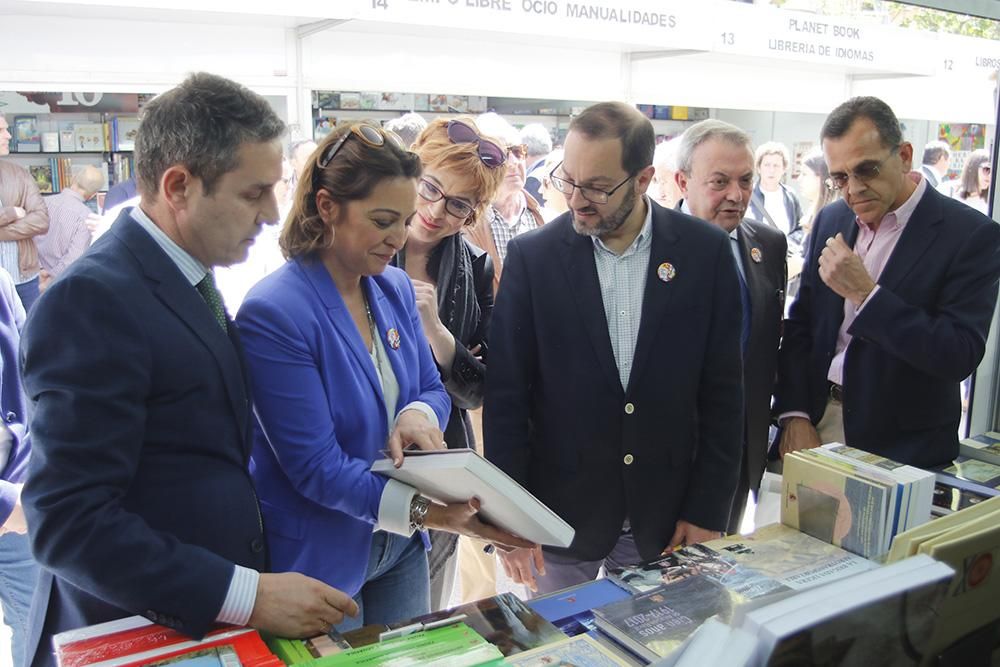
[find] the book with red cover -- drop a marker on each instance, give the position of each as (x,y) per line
(135,641)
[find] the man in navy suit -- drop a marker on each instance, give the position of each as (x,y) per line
(615,386)
(897,295)
(715,175)
(139,497)
(18,568)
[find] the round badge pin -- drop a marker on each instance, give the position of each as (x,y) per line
(393,337)
(666,272)
(756,255)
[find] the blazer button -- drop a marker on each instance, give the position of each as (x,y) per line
(11,417)
(628,457)
(256,545)
(629,408)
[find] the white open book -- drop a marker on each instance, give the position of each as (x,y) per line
(456,475)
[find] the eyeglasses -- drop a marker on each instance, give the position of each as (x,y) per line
(593,195)
(371,135)
(864,172)
(490,153)
(520,151)
(456,207)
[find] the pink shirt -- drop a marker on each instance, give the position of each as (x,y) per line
(874,246)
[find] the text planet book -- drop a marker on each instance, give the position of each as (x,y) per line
(458,475)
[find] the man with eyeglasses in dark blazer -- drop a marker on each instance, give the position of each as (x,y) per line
(897,296)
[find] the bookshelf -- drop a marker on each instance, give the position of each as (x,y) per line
(51,145)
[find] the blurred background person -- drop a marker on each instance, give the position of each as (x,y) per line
(974,188)
(68,236)
(772,202)
(407,127)
(934,167)
(555,201)
(538,141)
(664,190)
(340,369)
(814,186)
(453,281)
(513,210)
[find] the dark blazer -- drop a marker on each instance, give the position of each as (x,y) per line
(138,494)
(12,403)
(557,419)
(915,340)
(792,207)
(766,277)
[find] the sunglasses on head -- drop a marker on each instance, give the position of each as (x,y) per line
(490,153)
(371,135)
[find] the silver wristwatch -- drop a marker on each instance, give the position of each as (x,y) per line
(418,512)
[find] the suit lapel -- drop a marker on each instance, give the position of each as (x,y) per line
(183,299)
(317,275)
(753,271)
(581,271)
(657,294)
(916,239)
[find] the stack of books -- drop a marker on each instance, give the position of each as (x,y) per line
(853,499)
(968,541)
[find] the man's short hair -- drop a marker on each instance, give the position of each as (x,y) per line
(771,148)
(878,112)
(701,132)
(201,124)
(934,151)
(495,125)
(90,179)
(620,121)
(665,154)
(537,139)
(408,127)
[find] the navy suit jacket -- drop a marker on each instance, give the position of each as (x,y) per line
(12,403)
(915,340)
(766,278)
(139,496)
(557,418)
(321,416)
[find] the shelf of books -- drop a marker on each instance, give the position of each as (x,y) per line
(67,130)
(856,573)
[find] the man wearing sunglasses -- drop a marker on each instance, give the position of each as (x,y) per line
(615,387)
(897,295)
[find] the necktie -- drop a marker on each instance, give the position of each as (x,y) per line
(209,292)
(744,301)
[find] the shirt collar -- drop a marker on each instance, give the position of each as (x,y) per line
(74,194)
(192,269)
(640,241)
(902,215)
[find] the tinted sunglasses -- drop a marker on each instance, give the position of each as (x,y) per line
(371,135)
(491,154)
(520,151)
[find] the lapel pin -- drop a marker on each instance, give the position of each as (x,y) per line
(756,255)
(392,336)
(666,272)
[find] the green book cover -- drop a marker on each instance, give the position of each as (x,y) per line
(449,646)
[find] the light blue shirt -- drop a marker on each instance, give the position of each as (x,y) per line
(623,283)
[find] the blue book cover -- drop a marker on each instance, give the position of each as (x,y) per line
(571,610)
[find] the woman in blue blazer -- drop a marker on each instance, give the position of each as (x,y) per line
(341,370)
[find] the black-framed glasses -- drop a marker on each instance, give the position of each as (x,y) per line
(593,195)
(490,153)
(371,135)
(864,172)
(457,207)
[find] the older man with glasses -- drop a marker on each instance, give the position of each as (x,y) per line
(897,295)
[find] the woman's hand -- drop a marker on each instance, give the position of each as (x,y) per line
(441,340)
(413,428)
(461,518)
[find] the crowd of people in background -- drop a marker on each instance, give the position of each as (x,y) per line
(633,331)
